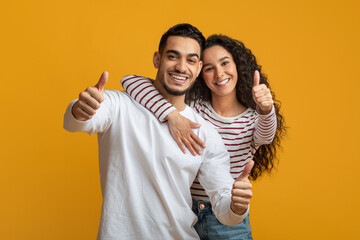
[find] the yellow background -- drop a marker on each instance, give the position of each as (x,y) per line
(52,50)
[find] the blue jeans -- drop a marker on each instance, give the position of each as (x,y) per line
(209,228)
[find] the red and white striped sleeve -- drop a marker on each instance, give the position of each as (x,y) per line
(265,128)
(142,90)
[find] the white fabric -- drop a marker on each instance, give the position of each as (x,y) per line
(242,134)
(146,179)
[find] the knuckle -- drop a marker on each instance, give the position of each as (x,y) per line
(82,95)
(79,104)
(88,89)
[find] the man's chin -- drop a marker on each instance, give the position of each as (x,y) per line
(175,92)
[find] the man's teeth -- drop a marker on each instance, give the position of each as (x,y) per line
(223,82)
(178,77)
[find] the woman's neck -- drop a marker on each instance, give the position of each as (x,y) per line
(227,106)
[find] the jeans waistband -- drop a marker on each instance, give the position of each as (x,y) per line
(201,205)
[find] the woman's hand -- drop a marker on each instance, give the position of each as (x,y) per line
(180,128)
(262,96)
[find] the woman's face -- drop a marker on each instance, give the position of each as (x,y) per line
(219,71)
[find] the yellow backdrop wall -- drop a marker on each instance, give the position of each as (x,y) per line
(52,50)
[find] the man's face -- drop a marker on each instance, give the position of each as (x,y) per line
(178,65)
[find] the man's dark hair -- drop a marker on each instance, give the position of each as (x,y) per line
(182,30)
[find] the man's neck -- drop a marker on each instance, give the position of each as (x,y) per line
(177,101)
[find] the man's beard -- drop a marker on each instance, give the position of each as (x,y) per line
(172,91)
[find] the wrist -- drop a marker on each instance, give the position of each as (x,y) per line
(263,111)
(238,212)
(172,115)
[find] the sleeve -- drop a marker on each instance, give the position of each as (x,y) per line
(214,176)
(99,123)
(142,90)
(265,128)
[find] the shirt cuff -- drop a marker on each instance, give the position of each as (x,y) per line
(242,217)
(263,116)
(71,124)
(165,114)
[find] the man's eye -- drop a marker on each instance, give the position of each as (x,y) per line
(192,60)
(171,56)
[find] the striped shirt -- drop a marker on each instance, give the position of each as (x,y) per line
(242,135)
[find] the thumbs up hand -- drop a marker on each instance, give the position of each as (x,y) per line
(262,95)
(242,191)
(89,100)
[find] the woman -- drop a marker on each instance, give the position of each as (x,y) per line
(234,96)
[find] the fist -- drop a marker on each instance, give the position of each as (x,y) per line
(90,100)
(262,95)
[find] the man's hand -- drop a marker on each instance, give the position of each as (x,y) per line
(180,128)
(262,95)
(242,191)
(90,99)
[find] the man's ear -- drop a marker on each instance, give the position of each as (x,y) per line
(156,59)
(200,67)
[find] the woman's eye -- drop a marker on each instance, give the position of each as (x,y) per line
(208,69)
(225,63)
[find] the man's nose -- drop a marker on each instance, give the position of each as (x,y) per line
(181,65)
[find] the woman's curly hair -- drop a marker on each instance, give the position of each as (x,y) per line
(246,65)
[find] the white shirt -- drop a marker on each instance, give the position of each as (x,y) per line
(242,134)
(146,179)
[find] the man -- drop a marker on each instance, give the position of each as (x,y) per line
(145,177)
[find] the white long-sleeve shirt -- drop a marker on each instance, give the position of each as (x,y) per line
(146,178)
(242,134)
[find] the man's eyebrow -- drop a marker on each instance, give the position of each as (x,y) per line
(193,55)
(178,53)
(173,51)
(221,59)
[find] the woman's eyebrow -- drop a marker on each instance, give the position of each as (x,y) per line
(221,59)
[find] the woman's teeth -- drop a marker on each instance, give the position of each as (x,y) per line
(223,82)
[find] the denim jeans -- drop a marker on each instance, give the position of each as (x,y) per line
(209,228)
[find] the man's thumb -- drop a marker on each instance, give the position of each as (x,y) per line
(245,174)
(256,78)
(102,81)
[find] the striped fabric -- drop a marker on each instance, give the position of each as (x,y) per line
(242,134)
(144,92)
